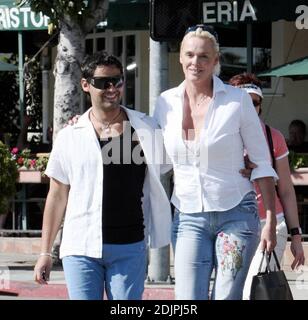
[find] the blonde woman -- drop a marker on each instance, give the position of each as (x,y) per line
(206,126)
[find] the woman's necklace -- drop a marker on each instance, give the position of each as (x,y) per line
(106,125)
(201,101)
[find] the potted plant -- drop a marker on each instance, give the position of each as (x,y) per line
(31,168)
(297,160)
(299,168)
(8,176)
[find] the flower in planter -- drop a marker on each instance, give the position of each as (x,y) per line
(26,161)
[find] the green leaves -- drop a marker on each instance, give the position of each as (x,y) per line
(56,10)
(297,160)
(8,176)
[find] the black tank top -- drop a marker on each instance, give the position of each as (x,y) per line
(124,171)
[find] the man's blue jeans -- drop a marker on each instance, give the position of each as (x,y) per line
(226,241)
(120,272)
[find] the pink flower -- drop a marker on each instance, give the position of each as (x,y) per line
(32,162)
(15,150)
(20,161)
(227,247)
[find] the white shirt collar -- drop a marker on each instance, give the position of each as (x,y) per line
(84,120)
(218,86)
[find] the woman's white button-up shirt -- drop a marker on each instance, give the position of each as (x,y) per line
(206,172)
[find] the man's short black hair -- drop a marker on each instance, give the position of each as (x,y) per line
(100,58)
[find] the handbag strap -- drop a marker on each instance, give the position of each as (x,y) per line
(271,144)
(276,259)
(268,259)
(271,148)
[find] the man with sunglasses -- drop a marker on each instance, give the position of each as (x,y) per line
(104,177)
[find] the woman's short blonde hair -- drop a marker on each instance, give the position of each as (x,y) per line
(199,32)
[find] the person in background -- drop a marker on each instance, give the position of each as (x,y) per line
(104,178)
(297,134)
(286,206)
(206,126)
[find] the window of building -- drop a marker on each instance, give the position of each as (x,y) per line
(233,48)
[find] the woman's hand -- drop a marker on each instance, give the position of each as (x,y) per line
(268,237)
(72,121)
(297,251)
(246,173)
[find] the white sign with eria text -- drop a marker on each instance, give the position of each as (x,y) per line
(226,11)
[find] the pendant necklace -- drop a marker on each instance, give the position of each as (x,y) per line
(201,101)
(106,125)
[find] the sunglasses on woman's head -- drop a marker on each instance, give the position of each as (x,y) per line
(204,27)
(105,83)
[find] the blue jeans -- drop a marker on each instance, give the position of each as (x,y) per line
(120,272)
(226,241)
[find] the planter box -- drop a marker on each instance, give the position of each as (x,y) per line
(300,177)
(31,176)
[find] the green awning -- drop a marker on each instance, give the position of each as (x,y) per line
(297,70)
(170,18)
(122,15)
(128,15)
(7,67)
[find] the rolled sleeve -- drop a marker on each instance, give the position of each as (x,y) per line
(263,170)
(254,140)
(166,165)
(56,164)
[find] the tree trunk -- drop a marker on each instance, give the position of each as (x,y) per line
(71,49)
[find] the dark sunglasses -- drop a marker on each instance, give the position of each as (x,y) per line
(105,83)
(256,103)
(204,27)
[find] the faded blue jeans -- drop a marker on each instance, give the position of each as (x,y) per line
(226,241)
(120,272)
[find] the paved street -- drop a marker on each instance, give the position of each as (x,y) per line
(19,270)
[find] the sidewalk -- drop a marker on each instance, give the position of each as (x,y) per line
(16,281)
(18,269)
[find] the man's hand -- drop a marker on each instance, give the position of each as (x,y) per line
(72,121)
(246,173)
(42,269)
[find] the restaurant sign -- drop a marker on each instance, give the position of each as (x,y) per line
(169,19)
(226,11)
(14,18)
(241,11)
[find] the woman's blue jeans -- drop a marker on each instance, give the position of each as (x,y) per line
(226,241)
(120,272)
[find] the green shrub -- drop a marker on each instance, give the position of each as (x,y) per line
(8,176)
